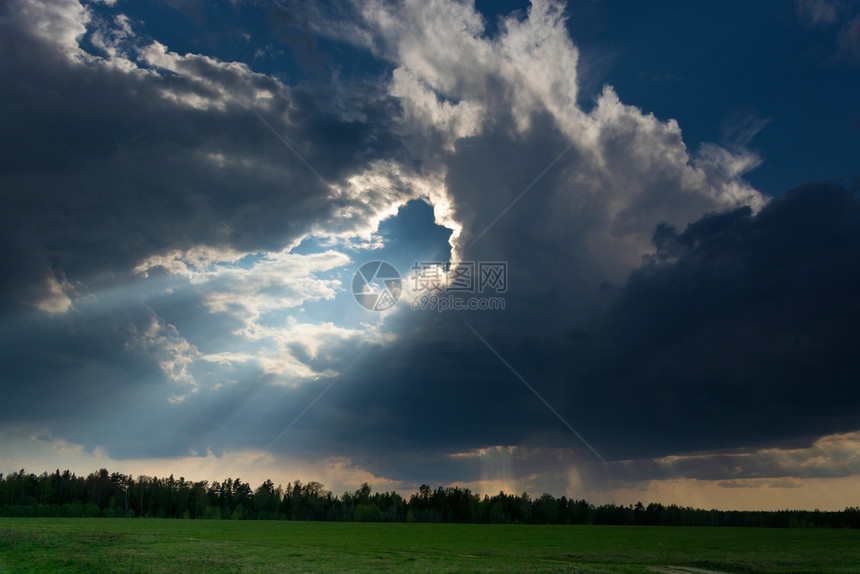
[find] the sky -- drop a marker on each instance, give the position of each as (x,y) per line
(602,249)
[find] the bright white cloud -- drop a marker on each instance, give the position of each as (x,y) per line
(61,23)
(115,40)
(423,106)
(630,171)
(173,354)
(55,297)
(188,262)
(210,83)
(308,351)
(272,283)
(269,282)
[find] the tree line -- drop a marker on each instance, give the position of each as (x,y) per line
(117,495)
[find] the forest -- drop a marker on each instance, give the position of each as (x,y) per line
(116,495)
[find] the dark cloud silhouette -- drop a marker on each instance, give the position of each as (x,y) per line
(743,328)
(740,332)
(151,305)
(105,162)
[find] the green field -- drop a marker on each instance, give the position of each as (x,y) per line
(191,546)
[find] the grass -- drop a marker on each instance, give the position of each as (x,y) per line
(149,546)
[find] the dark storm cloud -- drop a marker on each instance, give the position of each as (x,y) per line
(749,335)
(61,370)
(590,344)
(736,330)
(103,165)
(833,456)
(740,332)
(110,376)
(130,151)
